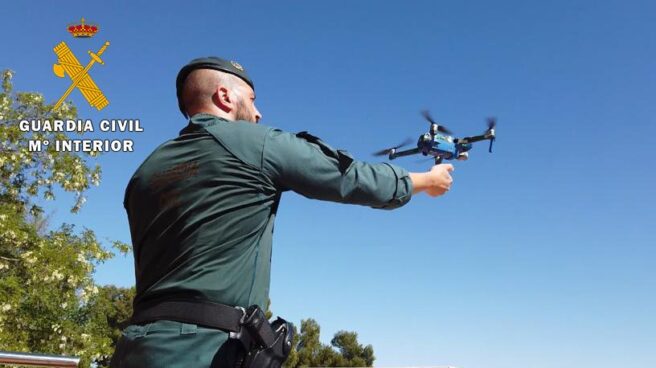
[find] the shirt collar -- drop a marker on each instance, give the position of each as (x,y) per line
(200,121)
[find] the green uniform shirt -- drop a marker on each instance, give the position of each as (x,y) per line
(201,207)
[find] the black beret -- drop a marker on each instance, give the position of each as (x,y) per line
(210,62)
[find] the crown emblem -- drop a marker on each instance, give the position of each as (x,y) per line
(82,30)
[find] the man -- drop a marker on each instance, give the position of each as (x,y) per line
(201,209)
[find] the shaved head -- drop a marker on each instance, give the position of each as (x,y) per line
(201,84)
(215,92)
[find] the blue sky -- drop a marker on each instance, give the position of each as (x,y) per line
(543,252)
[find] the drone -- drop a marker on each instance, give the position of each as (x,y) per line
(440,143)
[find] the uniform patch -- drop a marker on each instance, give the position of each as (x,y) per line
(179,172)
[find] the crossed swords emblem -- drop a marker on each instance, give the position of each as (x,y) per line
(68,64)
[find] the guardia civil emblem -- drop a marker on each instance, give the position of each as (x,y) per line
(68,64)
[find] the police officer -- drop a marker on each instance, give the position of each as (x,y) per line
(201,210)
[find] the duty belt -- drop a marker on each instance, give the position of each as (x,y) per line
(264,344)
(213,315)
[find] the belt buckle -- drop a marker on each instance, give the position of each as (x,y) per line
(242,319)
(243,314)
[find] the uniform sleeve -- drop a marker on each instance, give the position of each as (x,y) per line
(305,164)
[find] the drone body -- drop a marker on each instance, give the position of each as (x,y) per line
(440,144)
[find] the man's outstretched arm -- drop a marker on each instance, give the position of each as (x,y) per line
(310,167)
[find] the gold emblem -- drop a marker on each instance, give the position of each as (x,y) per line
(68,64)
(236,65)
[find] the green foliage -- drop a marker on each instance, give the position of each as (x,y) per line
(109,309)
(345,351)
(49,302)
(25,175)
(45,285)
(354,353)
(268,314)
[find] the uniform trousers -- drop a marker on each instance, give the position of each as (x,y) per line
(174,344)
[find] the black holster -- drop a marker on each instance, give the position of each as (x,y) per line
(265,345)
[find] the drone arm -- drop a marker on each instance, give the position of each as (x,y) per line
(409,152)
(476,138)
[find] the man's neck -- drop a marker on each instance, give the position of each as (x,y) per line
(213,111)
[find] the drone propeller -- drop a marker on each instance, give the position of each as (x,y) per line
(440,128)
(491,122)
(387,151)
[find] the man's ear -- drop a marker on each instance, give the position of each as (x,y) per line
(223,99)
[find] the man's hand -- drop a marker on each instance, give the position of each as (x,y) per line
(435,182)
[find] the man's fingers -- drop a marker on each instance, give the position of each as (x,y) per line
(441,179)
(448,167)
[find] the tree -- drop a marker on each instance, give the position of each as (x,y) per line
(354,353)
(47,292)
(308,351)
(110,309)
(25,175)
